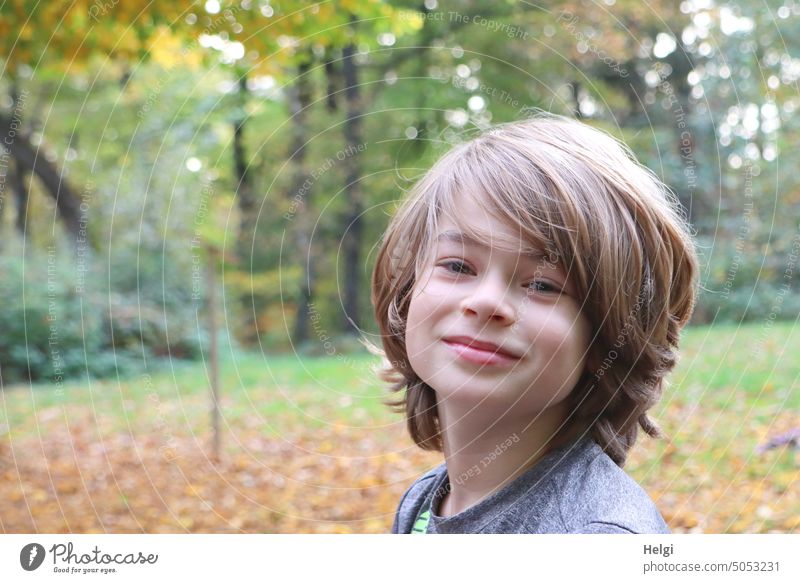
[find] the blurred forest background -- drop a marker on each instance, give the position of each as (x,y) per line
(160,158)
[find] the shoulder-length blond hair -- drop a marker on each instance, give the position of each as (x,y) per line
(611,224)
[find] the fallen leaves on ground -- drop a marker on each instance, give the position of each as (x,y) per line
(331,480)
(75,477)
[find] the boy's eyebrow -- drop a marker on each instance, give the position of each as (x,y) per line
(466,239)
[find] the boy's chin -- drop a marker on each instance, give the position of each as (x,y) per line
(496,400)
(479,396)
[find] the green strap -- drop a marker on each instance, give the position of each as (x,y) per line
(423,518)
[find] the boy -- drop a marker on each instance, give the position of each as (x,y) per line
(530,293)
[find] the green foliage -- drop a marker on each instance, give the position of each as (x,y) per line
(59,321)
(48,330)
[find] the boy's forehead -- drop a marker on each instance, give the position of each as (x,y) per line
(491,239)
(470,216)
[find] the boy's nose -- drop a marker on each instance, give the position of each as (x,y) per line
(490,300)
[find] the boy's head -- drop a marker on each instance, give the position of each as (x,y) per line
(543,268)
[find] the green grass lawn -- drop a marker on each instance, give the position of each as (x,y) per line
(740,365)
(283,390)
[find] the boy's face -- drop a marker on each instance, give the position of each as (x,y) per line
(494,327)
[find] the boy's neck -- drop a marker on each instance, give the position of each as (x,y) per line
(485,453)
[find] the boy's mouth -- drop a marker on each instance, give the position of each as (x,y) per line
(480,346)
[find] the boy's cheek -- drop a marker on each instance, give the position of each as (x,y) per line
(573,324)
(419,359)
(421,283)
(430,289)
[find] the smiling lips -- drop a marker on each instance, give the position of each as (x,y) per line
(478,352)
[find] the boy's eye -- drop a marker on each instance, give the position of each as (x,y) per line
(456,267)
(542,287)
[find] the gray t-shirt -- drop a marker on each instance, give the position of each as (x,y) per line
(574,489)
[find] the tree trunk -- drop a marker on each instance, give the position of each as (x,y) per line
(299,100)
(27,158)
(353,223)
(576,98)
(331,79)
(212,259)
(244,185)
(17,181)
(248,214)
